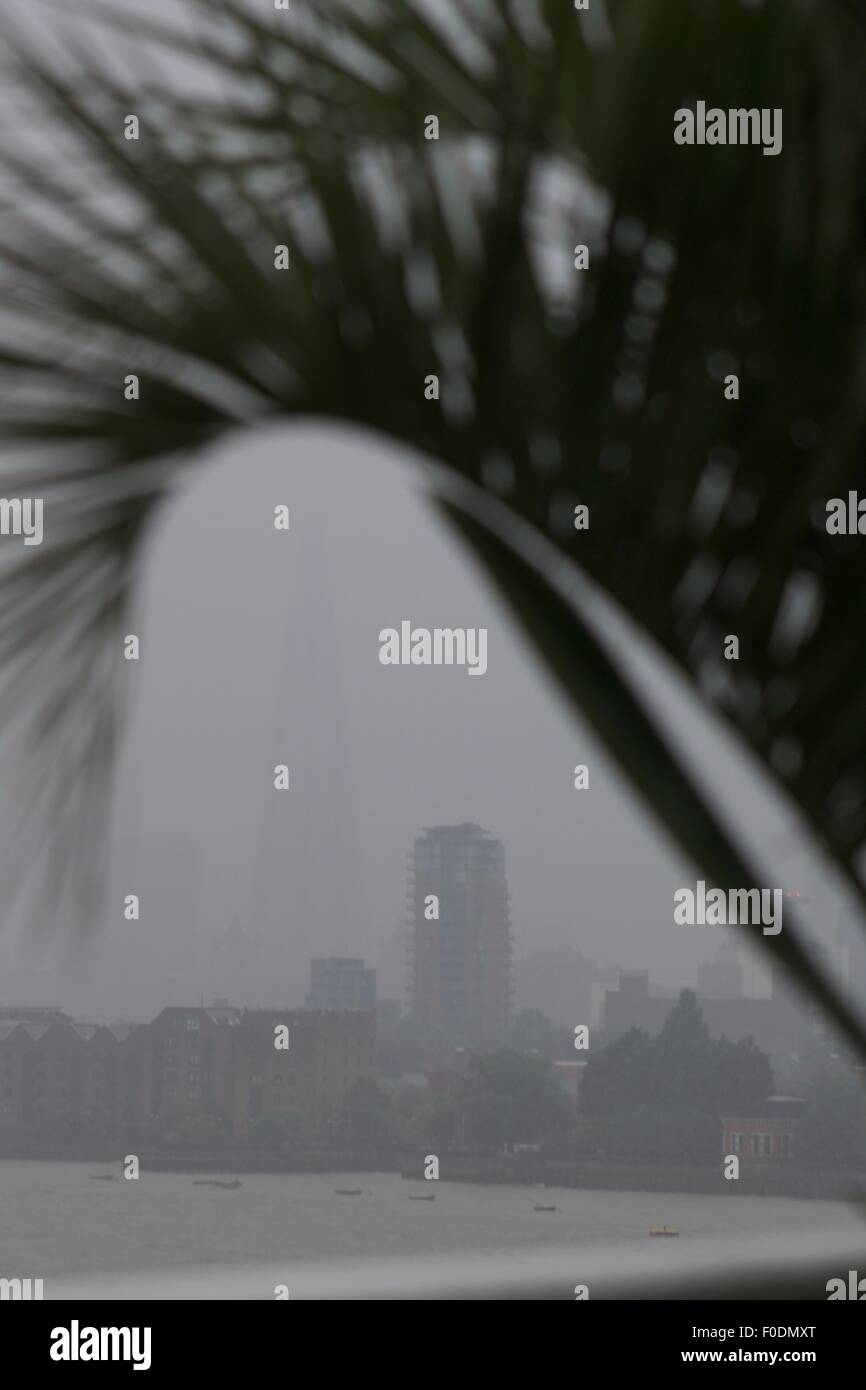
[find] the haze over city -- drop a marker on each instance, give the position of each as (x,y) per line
(261,647)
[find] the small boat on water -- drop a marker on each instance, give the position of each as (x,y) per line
(663,1231)
(544,1206)
(422,1196)
(348,1191)
(232,1186)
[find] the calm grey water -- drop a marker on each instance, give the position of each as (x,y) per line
(55,1219)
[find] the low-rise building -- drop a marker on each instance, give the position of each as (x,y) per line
(768,1133)
(67,1075)
(216,1070)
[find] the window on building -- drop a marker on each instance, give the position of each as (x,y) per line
(761,1145)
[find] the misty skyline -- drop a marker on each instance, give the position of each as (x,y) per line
(261,646)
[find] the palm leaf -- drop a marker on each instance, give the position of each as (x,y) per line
(586,675)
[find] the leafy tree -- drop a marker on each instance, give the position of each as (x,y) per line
(681,1070)
(648,1134)
(509,1097)
(438,1121)
(617,1078)
(532,1031)
(682,1058)
(741,1076)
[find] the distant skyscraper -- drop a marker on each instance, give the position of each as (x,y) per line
(341,984)
(307,883)
(460,961)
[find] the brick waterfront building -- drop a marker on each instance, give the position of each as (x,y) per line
(768,1132)
(215,1070)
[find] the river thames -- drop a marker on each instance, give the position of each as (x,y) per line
(56,1219)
